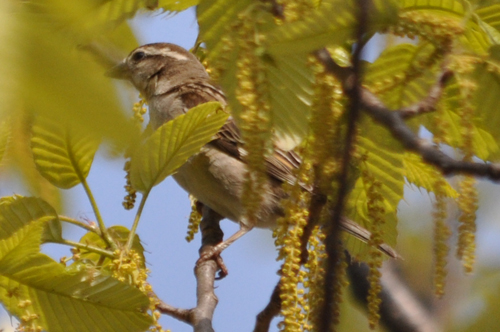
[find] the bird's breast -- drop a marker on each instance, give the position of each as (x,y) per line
(216,179)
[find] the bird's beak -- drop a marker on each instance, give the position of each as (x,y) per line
(119,71)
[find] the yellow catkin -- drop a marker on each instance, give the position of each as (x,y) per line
(441,235)
(376,212)
(293,10)
(467,202)
(442,232)
(138,110)
(437,29)
(315,276)
(321,149)
(28,320)
(128,267)
(254,119)
(288,239)
(325,123)
(194,220)
(467,199)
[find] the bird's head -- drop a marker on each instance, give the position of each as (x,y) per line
(155,68)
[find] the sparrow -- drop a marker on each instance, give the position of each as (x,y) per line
(173,80)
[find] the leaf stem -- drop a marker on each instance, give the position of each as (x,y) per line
(104,233)
(136,220)
(96,250)
(80,224)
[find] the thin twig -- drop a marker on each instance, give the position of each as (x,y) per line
(273,308)
(200,317)
(87,247)
(318,201)
(138,214)
(394,121)
(400,310)
(80,224)
(184,315)
(428,104)
(102,227)
(332,238)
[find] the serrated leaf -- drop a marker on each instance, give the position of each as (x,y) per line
(485,122)
(423,175)
(384,160)
(63,154)
(490,15)
(173,143)
(357,210)
(215,18)
(64,302)
(474,37)
(360,250)
(332,23)
(397,75)
(17,211)
(288,77)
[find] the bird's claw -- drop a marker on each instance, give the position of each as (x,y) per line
(214,254)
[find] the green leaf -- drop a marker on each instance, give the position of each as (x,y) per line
(18,211)
(62,301)
(288,77)
(384,160)
(423,175)
(289,81)
(334,22)
(486,141)
(490,15)
(359,249)
(62,154)
(484,126)
(474,37)
(10,66)
(118,233)
(4,136)
(177,5)
(396,73)
(173,143)
(65,83)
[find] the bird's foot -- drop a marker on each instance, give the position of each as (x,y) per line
(213,253)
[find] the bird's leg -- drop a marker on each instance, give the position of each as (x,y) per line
(213,251)
(212,235)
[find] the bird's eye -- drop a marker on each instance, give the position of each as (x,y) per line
(138,56)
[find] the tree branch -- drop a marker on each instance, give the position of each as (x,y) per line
(429,103)
(394,121)
(184,315)
(201,316)
(400,311)
(273,308)
(333,228)
(205,272)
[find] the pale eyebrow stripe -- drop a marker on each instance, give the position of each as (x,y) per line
(173,54)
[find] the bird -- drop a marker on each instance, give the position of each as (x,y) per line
(173,80)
